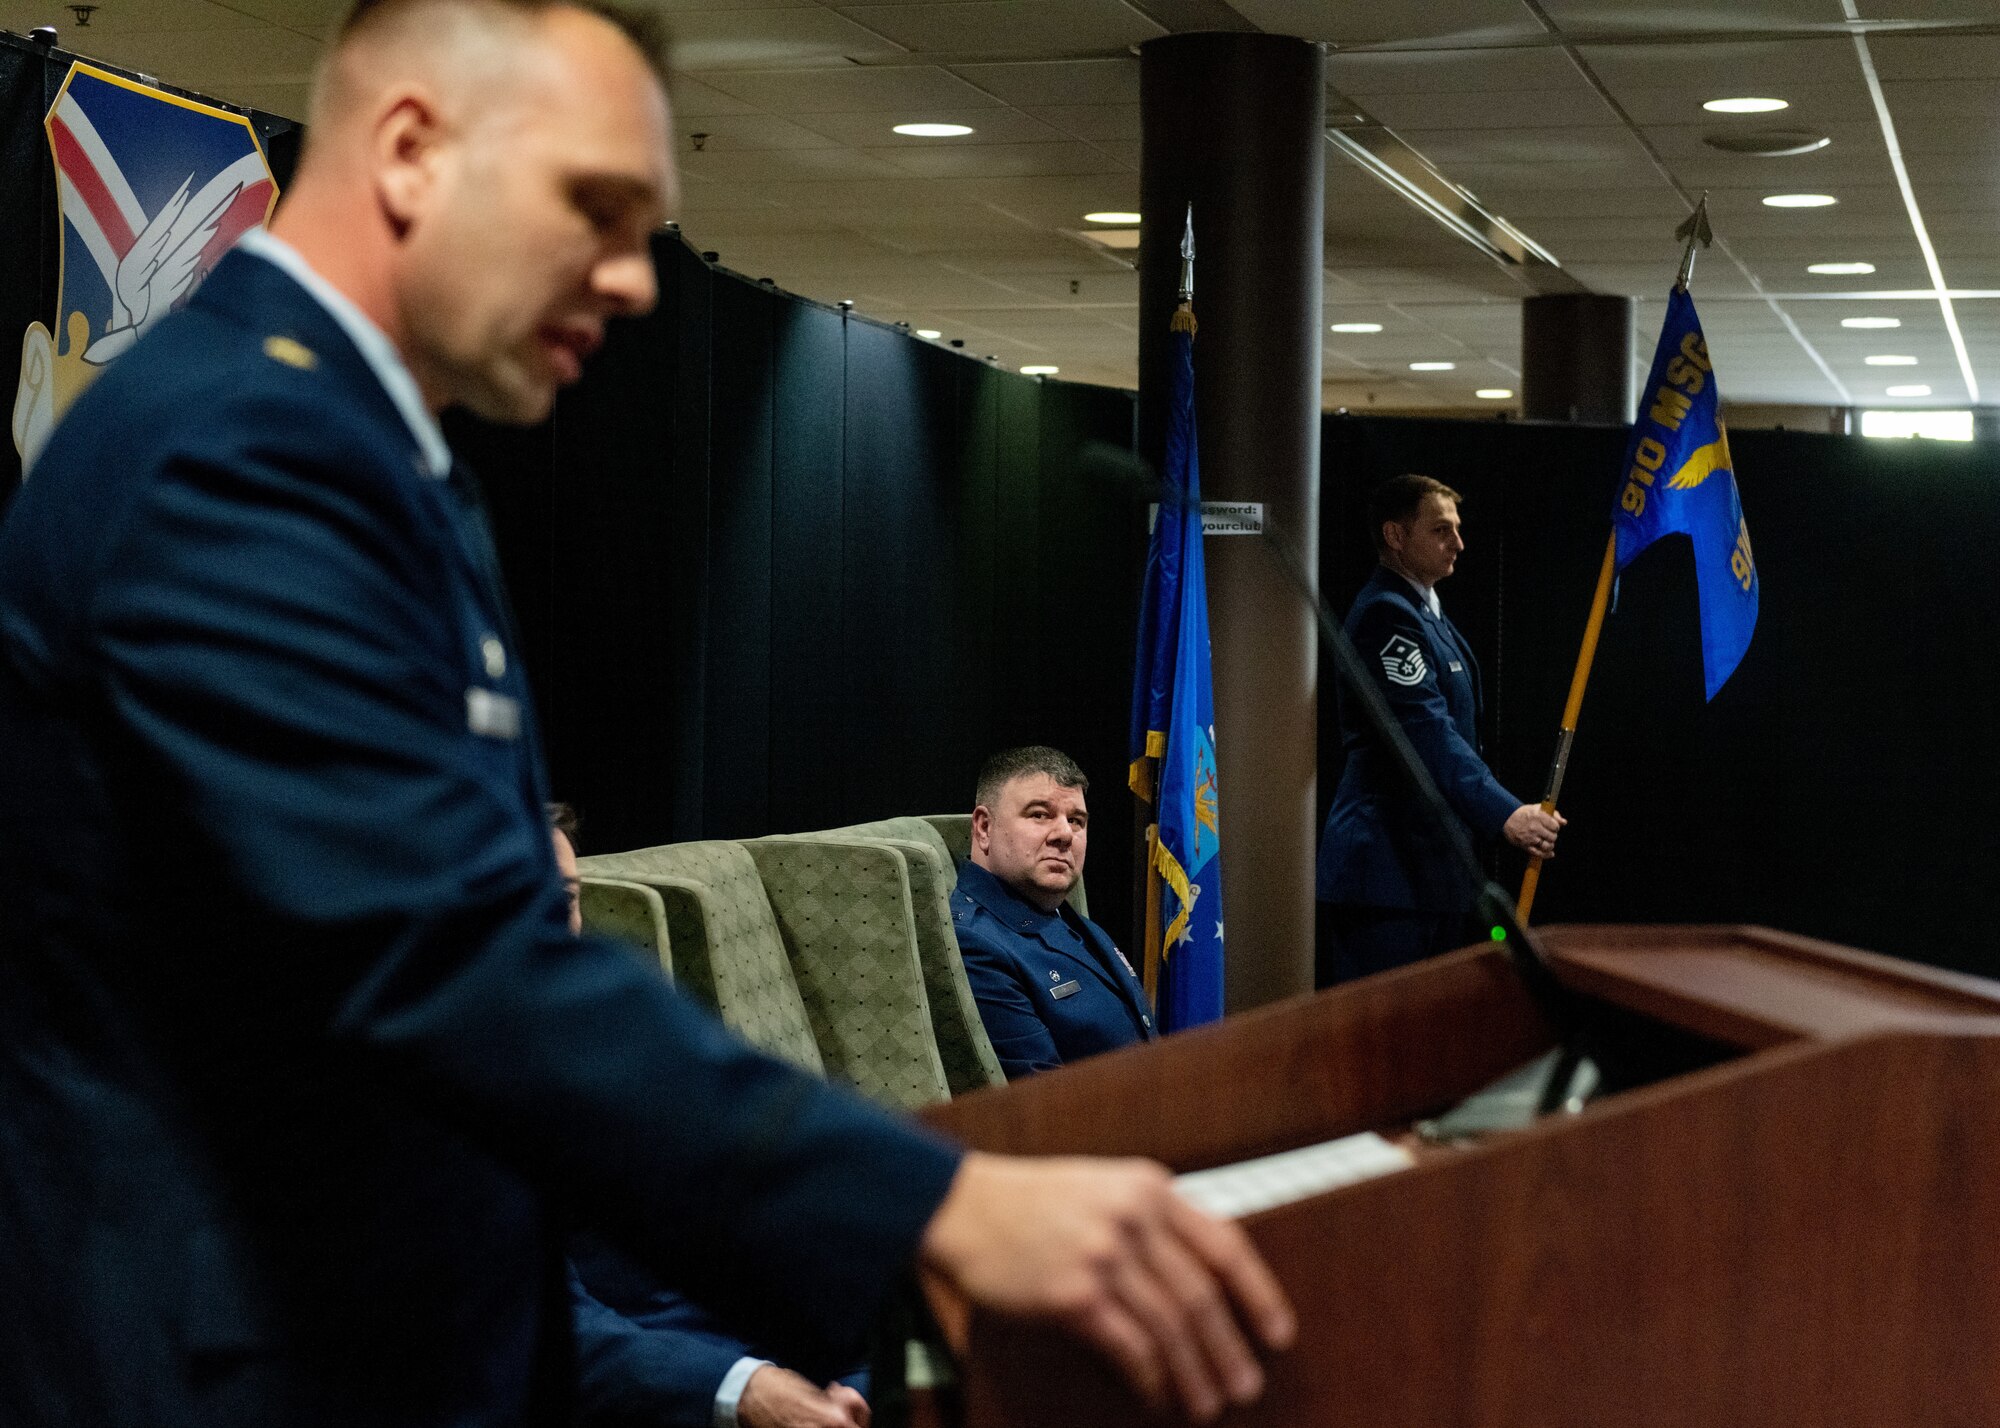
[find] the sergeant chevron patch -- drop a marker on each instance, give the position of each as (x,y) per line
(1403,661)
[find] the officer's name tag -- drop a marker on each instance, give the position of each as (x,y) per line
(1457,668)
(1067,989)
(497,716)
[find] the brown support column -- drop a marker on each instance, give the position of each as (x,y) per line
(1576,358)
(1234,124)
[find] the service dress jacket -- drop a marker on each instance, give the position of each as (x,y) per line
(1052,987)
(298,1060)
(1379,849)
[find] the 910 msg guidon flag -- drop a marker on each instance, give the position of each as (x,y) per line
(1679,479)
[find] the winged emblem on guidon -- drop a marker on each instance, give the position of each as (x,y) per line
(1703,462)
(125,267)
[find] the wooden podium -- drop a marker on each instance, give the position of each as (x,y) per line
(1788,1214)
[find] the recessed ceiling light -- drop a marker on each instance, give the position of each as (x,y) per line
(1432,366)
(1890,360)
(1917,389)
(1040,371)
(934,131)
(1745,106)
(1355,327)
(1110,216)
(1871,322)
(1839,270)
(930,334)
(1800,200)
(1494,394)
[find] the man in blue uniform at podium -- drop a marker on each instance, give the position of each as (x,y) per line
(1051,985)
(1396,895)
(300,1068)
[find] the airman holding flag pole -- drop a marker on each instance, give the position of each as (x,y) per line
(1679,479)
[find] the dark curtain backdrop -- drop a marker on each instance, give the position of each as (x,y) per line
(777,567)
(1841,784)
(30,250)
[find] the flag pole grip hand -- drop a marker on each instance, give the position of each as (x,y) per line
(1531,879)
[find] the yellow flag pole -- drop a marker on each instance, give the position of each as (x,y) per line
(1152,944)
(1585,657)
(1696,231)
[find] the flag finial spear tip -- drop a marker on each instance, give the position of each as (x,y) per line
(1694,228)
(1187,257)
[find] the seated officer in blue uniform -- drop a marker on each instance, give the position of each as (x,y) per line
(1051,986)
(1395,894)
(650,1358)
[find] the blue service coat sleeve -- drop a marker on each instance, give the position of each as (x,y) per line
(1419,706)
(1021,1039)
(633,1376)
(273,631)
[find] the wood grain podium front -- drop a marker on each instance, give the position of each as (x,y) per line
(1789,1214)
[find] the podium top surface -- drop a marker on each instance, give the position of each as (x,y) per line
(1754,987)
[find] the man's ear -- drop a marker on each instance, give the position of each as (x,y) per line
(982,827)
(1392,535)
(408,137)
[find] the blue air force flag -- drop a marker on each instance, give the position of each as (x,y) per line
(1679,480)
(1173,721)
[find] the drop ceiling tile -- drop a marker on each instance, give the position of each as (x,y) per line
(1489,180)
(1573,105)
(1008,27)
(795,35)
(1089,81)
(694,100)
(1388,21)
(1959,207)
(1773,69)
(849,89)
(317,17)
(1906,57)
(1366,75)
(1945,115)
(1057,201)
(740,133)
(1809,174)
(1092,122)
(703,198)
(114,20)
(779,166)
(1116,292)
(890,198)
(1645,202)
(1449,148)
(1609,16)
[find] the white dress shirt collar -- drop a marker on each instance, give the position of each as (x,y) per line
(371,341)
(1427,596)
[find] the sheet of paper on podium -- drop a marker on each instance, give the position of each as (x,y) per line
(1232,1191)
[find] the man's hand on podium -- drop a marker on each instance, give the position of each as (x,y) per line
(1108,1250)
